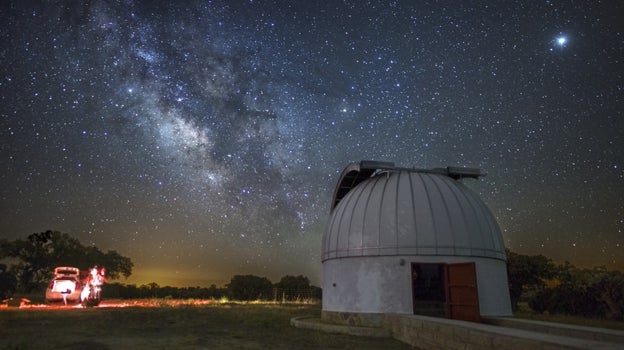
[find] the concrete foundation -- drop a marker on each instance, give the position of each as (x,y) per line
(423,332)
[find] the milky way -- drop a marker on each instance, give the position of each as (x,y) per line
(204,139)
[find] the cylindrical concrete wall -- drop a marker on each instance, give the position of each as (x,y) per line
(383,284)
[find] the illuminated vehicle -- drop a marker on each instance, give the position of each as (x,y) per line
(65,286)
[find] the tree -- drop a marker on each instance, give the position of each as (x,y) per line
(293,282)
(294,288)
(116,264)
(593,292)
(40,253)
(150,290)
(527,273)
(34,258)
(610,292)
(250,287)
(8,282)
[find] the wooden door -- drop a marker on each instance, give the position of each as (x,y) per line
(462,294)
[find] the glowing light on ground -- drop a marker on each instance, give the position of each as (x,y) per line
(159,302)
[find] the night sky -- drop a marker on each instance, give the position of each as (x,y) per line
(203,139)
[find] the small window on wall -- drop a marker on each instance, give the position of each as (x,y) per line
(428,288)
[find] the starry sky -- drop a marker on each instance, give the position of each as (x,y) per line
(203,139)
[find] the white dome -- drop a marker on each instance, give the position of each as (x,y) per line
(380,210)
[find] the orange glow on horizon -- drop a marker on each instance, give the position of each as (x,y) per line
(174,278)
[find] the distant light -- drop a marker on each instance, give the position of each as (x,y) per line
(562,40)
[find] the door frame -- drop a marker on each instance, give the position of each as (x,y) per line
(461,295)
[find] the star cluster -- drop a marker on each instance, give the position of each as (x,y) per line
(203,139)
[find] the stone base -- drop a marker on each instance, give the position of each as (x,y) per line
(426,332)
(353,318)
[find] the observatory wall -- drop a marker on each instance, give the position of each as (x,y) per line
(383,284)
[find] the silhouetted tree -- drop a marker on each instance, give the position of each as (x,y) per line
(593,292)
(610,292)
(34,256)
(293,282)
(250,287)
(527,273)
(8,283)
(294,288)
(40,253)
(151,290)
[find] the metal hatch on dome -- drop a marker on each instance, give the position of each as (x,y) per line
(354,173)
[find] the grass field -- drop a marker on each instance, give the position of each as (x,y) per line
(191,324)
(524,311)
(165,326)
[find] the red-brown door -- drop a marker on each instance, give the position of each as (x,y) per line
(462,295)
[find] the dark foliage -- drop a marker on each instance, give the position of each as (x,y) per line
(250,287)
(8,283)
(291,288)
(586,292)
(596,292)
(280,292)
(609,291)
(38,255)
(527,273)
(152,290)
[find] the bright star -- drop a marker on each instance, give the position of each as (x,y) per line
(562,40)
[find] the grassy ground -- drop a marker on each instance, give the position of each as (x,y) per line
(192,324)
(187,326)
(525,312)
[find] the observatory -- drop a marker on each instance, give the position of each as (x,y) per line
(411,241)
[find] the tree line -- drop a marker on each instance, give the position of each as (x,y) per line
(564,288)
(35,258)
(240,288)
(537,280)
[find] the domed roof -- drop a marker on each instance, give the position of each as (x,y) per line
(379,209)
